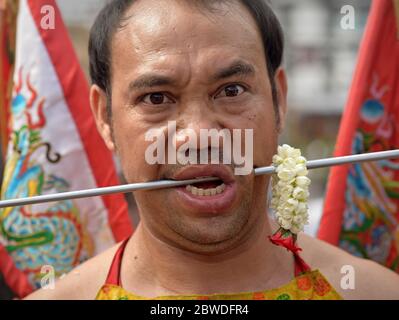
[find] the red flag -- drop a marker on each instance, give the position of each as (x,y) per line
(361,210)
(54,147)
(8,14)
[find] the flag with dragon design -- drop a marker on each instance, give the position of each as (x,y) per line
(53,147)
(361,213)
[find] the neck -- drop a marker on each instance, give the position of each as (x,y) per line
(161,269)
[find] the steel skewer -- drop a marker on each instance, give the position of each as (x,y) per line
(313,164)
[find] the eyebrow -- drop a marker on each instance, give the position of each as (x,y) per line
(150,81)
(237,68)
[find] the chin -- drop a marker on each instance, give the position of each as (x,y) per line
(210,235)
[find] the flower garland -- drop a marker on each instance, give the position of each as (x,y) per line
(290,188)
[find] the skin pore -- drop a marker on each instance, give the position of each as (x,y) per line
(172,61)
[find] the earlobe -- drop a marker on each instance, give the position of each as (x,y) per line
(98,104)
(282,90)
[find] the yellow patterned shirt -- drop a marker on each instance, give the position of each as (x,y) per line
(309,286)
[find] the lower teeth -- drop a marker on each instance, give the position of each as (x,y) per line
(206,192)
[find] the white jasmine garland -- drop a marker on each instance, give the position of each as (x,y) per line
(290,188)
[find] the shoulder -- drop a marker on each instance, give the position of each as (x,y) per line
(83,282)
(352,277)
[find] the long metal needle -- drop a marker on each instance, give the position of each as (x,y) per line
(313,164)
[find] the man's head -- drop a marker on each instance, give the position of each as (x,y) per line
(206,65)
(113,17)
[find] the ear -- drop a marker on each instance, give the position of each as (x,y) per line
(98,104)
(280,79)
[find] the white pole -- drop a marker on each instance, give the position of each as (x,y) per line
(314,164)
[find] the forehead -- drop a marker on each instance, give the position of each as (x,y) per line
(166,32)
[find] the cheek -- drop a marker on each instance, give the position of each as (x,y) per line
(262,121)
(134,165)
(265,138)
(151,202)
(131,146)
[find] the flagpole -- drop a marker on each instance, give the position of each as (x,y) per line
(152,185)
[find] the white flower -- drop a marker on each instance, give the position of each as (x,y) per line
(274,203)
(287,189)
(300,193)
(296,228)
(286,151)
(300,169)
(290,186)
(289,163)
(292,203)
(286,211)
(297,220)
(283,184)
(277,159)
(285,224)
(300,160)
(302,181)
(286,174)
(302,208)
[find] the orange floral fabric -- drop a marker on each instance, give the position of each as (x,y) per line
(311,285)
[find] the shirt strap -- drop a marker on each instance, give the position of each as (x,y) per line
(114,273)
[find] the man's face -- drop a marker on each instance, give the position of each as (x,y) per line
(204,70)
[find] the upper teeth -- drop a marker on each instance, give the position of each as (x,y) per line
(206,192)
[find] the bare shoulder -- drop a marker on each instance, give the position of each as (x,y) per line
(369,279)
(82,283)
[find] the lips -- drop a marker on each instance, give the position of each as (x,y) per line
(206,198)
(201,171)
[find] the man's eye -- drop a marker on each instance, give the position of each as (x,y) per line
(156,98)
(232,90)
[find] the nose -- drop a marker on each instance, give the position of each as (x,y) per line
(198,128)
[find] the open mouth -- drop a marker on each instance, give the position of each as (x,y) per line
(211,197)
(207,189)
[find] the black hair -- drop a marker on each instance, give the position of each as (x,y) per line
(112,16)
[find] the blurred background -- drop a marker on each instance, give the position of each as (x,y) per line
(320,58)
